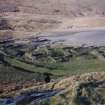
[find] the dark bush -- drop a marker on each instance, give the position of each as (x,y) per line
(4,25)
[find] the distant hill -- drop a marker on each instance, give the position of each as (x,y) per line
(50,15)
(56,7)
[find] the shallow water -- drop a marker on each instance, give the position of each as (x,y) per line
(95,37)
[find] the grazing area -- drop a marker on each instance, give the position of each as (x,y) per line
(52,52)
(36,60)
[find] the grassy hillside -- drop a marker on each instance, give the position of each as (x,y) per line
(28,58)
(85,89)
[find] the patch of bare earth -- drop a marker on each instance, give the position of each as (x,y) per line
(47,15)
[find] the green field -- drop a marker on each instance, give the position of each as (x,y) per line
(56,61)
(78,65)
